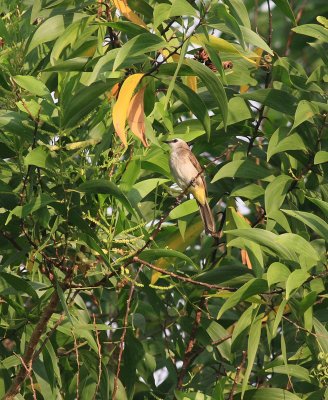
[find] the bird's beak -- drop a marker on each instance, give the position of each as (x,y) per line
(167,141)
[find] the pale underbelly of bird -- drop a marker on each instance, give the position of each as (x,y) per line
(188,177)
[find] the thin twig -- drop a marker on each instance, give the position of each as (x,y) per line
(235,381)
(292,33)
(122,340)
(266,85)
(31,347)
(99,357)
(28,369)
(182,277)
(192,341)
(78,366)
(48,335)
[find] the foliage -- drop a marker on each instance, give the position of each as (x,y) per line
(109,287)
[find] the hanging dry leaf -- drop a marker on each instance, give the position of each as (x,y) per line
(126,11)
(120,109)
(245,258)
(113,92)
(136,116)
(192,82)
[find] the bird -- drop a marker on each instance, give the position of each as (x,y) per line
(188,174)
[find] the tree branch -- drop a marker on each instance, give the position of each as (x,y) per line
(192,341)
(27,359)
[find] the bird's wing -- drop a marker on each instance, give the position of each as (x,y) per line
(198,167)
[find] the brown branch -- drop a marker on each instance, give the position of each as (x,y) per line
(192,341)
(99,357)
(28,369)
(182,278)
(78,365)
(292,33)
(48,336)
(122,340)
(266,85)
(222,340)
(235,381)
(30,349)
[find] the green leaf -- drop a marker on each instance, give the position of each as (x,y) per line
(255,39)
(104,186)
(194,103)
(79,31)
(141,44)
(213,84)
(280,142)
(49,30)
(313,30)
(278,100)
(43,379)
(296,371)
(323,205)
(16,123)
(304,112)
(277,272)
(241,169)
(251,288)
(217,332)
(32,85)
(186,208)
(321,157)
(275,193)
(228,274)
(295,281)
(279,315)
(40,157)
(19,284)
(242,324)
(267,239)
(32,206)
(251,191)
(153,254)
(252,347)
(267,394)
(238,111)
(181,7)
(321,335)
(141,189)
(84,101)
(52,28)
(220,11)
(286,9)
(174,77)
(239,11)
(314,222)
(191,396)
(62,300)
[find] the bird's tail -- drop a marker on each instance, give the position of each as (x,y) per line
(207,218)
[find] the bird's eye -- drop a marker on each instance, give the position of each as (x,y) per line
(175,140)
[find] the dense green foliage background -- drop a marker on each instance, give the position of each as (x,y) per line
(108,286)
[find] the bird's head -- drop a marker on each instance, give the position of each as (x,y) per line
(177,144)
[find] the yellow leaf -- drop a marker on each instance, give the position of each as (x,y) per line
(177,243)
(126,11)
(121,106)
(192,82)
(244,88)
(136,116)
(259,53)
(218,44)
